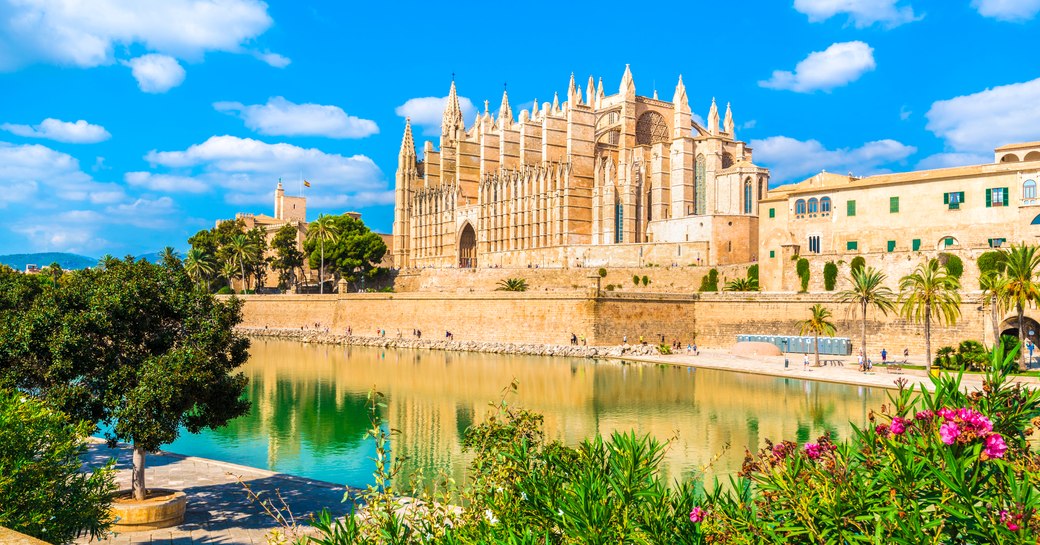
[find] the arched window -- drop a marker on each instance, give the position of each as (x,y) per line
(1029,190)
(947,243)
(700,191)
(825,205)
(814,205)
(1036,220)
(799,207)
(651,128)
(748,195)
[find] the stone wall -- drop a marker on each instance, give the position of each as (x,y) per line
(713,320)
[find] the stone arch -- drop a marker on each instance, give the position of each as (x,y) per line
(1009,158)
(651,128)
(467,247)
(947,243)
(1032,156)
(1010,327)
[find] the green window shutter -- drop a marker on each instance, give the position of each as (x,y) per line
(772,253)
(1005,191)
(893,204)
(989,198)
(772,212)
(916,244)
(961,199)
(851,208)
(852,245)
(948,241)
(891,245)
(946,198)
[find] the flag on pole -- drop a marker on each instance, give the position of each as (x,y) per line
(306,183)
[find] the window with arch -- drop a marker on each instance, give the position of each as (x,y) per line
(748,195)
(799,207)
(825,205)
(1029,190)
(651,128)
(814,205)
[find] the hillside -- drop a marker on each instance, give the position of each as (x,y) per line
(65,260)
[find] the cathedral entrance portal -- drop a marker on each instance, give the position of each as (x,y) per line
(468,248)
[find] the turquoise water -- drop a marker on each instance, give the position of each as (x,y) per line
(309,414)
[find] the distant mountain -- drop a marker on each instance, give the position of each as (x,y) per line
(65,260)
(151,257)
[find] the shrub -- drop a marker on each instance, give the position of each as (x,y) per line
(857,263)
(710,281)
(664,349)
(752,273)
(43,493)
(610,287)
(635,279)
(225,291)
(512,284)
(602,272)
(830,275)
(645,280)
(953,264)
(742,284)
(992,261)
(803,273)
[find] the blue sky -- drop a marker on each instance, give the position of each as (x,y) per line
(127,125)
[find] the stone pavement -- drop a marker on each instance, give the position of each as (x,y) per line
(219,509)
(849,373)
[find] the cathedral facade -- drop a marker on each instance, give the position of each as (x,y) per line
(597,180)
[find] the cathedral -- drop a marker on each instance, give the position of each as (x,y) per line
(597,180)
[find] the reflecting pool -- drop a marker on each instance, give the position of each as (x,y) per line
(309,414)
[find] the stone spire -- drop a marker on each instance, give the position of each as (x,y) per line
(713,118)
(679,99)
(534,109)
(628,86)
(505,113)
(407,143)
(573,95)
(556,103)
(599,93)
(681,121)
(452,123)
(590,93)
(727,125)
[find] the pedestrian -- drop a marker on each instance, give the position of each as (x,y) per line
(906,353)
(574,339)
(418,333)
(641,341)
(884,357)
(859,360)
(624,339)
(695,351)
(689,348)
(805,362)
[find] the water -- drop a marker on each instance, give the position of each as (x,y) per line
(309,414)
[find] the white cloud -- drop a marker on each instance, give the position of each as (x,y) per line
(156,73)
(838,65)
(279,117)
(273,59)
(79,132)
(789,159)
(84,34)
(165,183)
(945,160)
(861,13)
(427,112)
(904,113)
(979,122)
(1007,10)
(247,169)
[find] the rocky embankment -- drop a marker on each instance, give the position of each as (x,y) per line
(322,337)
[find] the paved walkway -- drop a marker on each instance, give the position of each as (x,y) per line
(219,510)
(848,373)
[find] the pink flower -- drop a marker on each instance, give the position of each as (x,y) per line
(898,426)
(1010,520)
(813,451)
(995,446)
(697,515)
(925,415)
(882,430)
(948,432)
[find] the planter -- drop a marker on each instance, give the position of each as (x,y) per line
(161,509)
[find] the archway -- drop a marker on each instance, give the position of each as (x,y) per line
(1032,156)
(1009,158)
(467,248)
(1009,327)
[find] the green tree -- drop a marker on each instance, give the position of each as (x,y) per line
(229,270)
(324,230)
(867,290)
(857,263)
(353,253)
(930,293)
(199,265)
(1022,289)
(132,347)
(169,255)
(287,255)
(752,273)
(993,286)
(742,284)
(817,325)
(802,266)
(43,492)
(243,248)
(54,272)
(710,281)
(512,284)
(954,265)
(991,261)
(830,275)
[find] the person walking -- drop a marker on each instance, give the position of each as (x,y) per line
(805,362)
(884,356)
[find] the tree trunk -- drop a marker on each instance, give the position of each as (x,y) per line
(817,349)
(137,478)
(863,347)
(1021,336)
(996,323)
(927,338)
(245,285)
(321,271)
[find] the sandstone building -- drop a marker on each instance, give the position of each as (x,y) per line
(597,180)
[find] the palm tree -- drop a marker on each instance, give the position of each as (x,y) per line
(512,284)
(229,270)
(742,284)
(169,255)
(323,229)
(1021,287)
(199,265)
(818,325)
(930,292)
(242,249)
(868,290)
(993,285)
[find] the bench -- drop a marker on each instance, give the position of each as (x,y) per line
(831,361)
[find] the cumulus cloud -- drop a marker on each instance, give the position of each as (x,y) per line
(79,132)
(273,59)
(1007,10)
(247,169)
(861,13)
(838,65)
(165,183)
(790,159)
(85,34)
(427,112)
(979,122)
(280,117)
(946,160)
(156,73)
(32,171)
